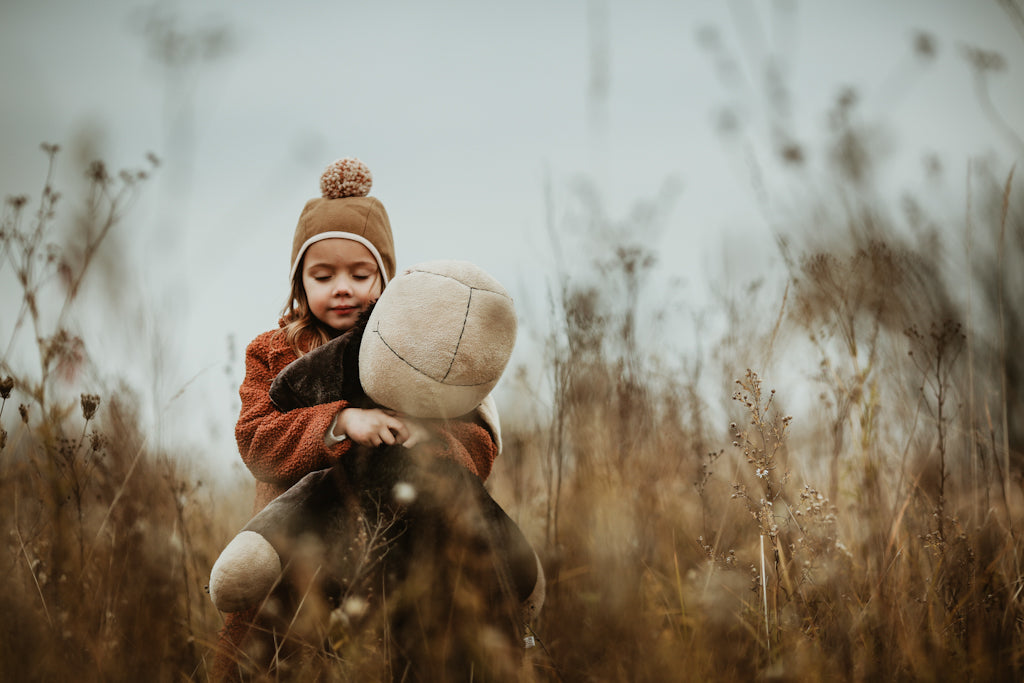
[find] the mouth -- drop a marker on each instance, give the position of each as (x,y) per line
(342,310)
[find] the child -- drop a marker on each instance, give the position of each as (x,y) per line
(342,257)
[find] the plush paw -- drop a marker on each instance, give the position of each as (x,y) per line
(244,573)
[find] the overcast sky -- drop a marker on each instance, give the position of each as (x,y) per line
(465,111)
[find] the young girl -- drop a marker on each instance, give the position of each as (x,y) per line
(342,257)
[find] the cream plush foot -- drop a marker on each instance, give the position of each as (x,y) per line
(244,573)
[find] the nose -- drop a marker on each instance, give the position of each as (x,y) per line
(342,286)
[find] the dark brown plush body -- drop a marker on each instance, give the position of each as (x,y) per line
(440,568)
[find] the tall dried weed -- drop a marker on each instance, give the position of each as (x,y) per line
(107,543)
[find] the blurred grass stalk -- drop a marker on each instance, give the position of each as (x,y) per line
(109,542)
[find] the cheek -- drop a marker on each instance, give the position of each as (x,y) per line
(314,292)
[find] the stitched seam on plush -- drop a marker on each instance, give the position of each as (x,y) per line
(455,279)
(366,219)
(469,303)
(376,331)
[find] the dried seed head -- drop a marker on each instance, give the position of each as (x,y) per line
(23,411)
(98,173)
(404,493)
(90,402)
(355,606)
(6,385)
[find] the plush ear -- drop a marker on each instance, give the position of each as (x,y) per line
(326,374)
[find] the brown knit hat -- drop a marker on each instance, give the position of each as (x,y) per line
(345,211)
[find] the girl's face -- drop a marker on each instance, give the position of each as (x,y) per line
(341,280)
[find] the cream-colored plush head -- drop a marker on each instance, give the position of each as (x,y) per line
(437,340)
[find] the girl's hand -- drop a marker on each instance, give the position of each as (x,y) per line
(418,432)
(371,427)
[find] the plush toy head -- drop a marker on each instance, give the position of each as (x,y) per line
(437,340)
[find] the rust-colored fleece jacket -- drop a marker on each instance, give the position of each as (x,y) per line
(281,448)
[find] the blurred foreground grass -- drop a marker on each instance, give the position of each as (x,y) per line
(691,528)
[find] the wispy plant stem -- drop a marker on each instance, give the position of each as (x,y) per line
(1002,324)
(764,596)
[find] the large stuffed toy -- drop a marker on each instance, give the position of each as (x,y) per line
(433,346)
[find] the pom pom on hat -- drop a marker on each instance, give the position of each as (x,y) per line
(348,177)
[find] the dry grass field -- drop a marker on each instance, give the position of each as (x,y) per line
(697,521)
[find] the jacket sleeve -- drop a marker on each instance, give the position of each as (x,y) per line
(468,443)
(280,448)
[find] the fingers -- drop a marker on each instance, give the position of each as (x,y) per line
(386,438)
(418,433)
(396,431)
(389,431)
(374,427)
